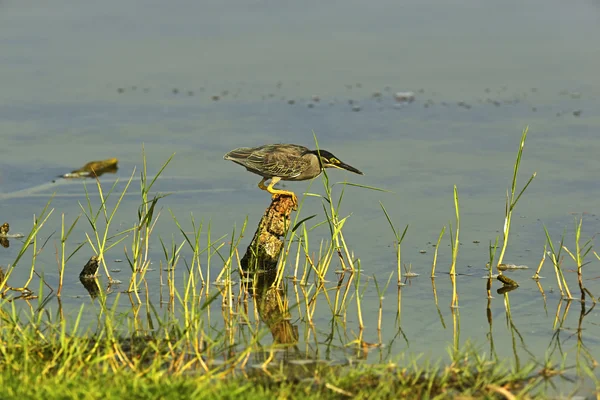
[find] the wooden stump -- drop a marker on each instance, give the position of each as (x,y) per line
(90,269)
(262,255)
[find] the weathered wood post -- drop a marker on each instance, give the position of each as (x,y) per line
(262,255)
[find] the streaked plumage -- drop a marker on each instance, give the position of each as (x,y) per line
(288,162)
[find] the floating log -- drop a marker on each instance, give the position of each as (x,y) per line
(94,169)
(507,281)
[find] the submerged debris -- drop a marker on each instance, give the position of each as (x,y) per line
(3,242)
(505,289)
(4,229)
(4,235)
(507,281)
(504,267)
(94,169)
(404,97)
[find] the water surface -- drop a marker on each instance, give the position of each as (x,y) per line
(93,81)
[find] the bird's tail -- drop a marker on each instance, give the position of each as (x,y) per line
(240,153)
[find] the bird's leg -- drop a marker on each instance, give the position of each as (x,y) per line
(276,192)
(261,184)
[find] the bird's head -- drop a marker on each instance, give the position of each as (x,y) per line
(328,160)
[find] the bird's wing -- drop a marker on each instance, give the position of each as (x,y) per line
(283,164)
(271,160)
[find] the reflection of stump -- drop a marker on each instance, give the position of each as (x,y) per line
(274,312)
(91,285)
(262,254)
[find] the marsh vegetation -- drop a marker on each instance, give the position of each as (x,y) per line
(190,318)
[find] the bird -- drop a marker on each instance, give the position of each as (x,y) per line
(288,162)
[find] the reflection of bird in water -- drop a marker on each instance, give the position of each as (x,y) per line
(288,162)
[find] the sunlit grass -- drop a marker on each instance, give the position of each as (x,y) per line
(512,198)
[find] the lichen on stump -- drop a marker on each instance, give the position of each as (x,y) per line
(262,254)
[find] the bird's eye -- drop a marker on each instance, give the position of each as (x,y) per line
(334,160)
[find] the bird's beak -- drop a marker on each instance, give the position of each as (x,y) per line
(347,167)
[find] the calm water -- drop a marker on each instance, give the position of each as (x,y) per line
(92,81)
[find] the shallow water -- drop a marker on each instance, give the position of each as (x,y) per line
(509,65)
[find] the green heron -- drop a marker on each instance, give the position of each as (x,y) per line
(288,162)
